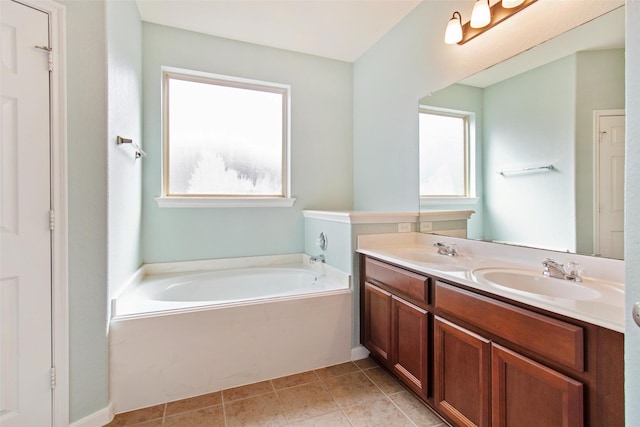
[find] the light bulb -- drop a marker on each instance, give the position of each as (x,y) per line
(508,4)
(481,14)
(453,33)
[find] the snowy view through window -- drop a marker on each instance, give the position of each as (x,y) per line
(224,140)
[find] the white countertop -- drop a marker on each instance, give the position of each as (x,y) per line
(605,308)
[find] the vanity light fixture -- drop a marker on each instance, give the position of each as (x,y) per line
(483,17)
(510,4)
(481,14)
(453,34)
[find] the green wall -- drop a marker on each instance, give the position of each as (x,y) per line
(529,122)
(124,65)
(87,192)
(321,148)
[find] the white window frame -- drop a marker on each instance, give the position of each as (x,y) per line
(469,160)
(212,200)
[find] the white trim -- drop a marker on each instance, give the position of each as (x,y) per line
(187,75)
(225,202)
(59,264)
(432,201)
(445,215)
(469,118)
(97,419)
(359,352)
(596,170)
(351,217)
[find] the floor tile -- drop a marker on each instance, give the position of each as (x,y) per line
(333,419)
(151,413)
(193,403)
(376,413)
(263,410)
(387,383)
(349,394)
(352,389)
(416,410)
(366,363)
(295,380)
(306,401)
(212,416)
(153,423)
(336,370)
(245,391)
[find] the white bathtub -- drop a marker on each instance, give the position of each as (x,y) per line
(185,290)
(192,328)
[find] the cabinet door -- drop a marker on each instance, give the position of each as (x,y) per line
(461,375)
(377,321)
(528,394)
(409,337)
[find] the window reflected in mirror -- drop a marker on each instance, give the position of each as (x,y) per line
(445,144)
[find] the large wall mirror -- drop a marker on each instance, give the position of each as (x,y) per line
(546,144)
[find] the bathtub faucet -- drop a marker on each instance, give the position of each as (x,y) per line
(317,258)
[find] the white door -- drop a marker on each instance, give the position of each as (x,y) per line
(610,184)
(25,236)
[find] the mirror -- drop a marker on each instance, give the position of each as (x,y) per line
(545,127)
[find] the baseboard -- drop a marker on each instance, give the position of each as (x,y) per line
(359,352)
(98,419)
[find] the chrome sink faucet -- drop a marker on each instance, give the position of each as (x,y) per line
(571,271)
(444,249)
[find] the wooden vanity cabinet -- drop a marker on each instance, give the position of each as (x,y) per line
(376,322)
(462,376)
(394,329)
(524,368)
(475,378)
(528,394)
(409,344)
(485,361)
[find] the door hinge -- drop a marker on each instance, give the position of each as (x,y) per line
(50,52)
(53,377)
(52,220)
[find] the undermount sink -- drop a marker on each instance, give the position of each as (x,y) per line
(533,282)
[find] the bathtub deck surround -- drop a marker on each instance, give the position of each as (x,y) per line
(151,270)
(202,284)
(352,393)
(186,350)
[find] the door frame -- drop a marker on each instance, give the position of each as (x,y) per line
(597,114)
(59,235)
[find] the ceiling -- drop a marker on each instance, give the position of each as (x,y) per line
(337,29)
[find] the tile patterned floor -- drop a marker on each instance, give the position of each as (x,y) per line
(357,393)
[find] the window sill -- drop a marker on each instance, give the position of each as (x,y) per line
(225,202)
(438,201)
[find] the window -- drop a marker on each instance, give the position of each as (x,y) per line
(224,138)
(444,154)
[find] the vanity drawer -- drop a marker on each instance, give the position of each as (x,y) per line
(406,283)
(552,338)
